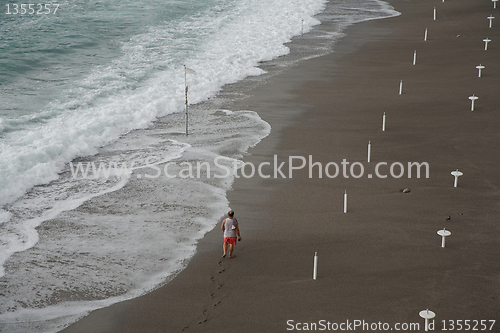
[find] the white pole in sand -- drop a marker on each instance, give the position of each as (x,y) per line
(486,41)
(426,314)
(443,233)
(345,201)
(480,67)
(425,35)
(491,19)
(369,151)
(494,3)
(383,123)
(456,174)
(315,269)
(302,29)
(472,98)
(414,57)
(434,13)
(400,87)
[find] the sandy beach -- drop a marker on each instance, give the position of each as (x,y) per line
(382,261)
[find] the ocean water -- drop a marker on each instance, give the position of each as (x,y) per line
(102,83)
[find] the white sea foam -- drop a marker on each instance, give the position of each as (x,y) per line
(105,240)
(110,102)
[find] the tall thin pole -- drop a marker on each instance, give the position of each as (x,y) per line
(186,92)
(315,267)
(345,201)
(369,151)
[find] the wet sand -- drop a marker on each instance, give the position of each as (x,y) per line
(382,261)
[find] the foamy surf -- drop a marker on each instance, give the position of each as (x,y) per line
(121,236)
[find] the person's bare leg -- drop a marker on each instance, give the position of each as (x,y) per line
(224,247)
(231,246)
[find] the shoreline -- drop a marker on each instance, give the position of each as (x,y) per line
(381,261)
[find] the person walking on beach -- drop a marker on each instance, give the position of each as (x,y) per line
(230,228)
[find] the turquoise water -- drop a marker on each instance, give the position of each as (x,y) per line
(101,69)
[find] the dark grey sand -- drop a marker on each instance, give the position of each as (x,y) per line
(382,261)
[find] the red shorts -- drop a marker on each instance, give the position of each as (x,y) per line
(230,240)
